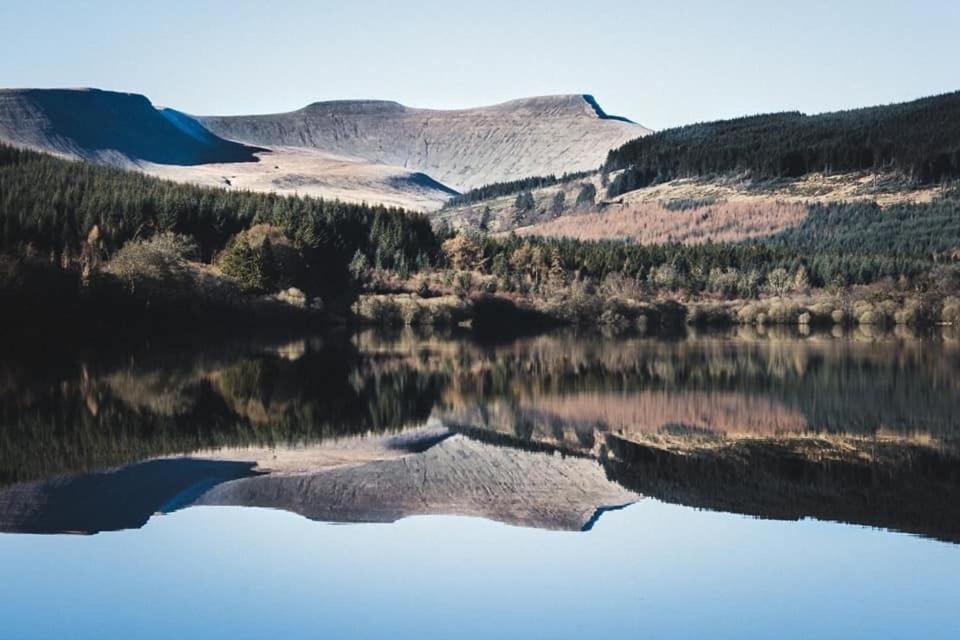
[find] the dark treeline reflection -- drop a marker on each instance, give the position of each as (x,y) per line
(101,412)
(740,381)
(860,427)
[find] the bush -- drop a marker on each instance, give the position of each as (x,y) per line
(613,319)
(914,312)
(462,284)
(821,312)
(378,310)
(423,288)
(783,313)
(159,262)
(839,316)
(709,315)
(950,313)
(749,313)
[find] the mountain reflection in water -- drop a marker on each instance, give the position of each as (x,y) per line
(546,432)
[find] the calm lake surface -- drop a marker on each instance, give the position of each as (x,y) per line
(735,484)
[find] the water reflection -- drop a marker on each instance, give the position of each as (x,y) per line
(548,431)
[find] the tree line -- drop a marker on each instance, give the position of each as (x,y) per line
(55,207)
(919,139)
(498,189)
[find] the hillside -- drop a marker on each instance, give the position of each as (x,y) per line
(121,129)
(309,172)
(751,177)
(462,149)
(919,140)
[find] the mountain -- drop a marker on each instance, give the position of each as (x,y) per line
(359,151)
(455,476)
(354,479)
(122,129)
(463,148)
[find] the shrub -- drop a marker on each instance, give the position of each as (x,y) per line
(157,262)
(423,288)
(748,313)
(725,282)
(783,313)
(870,318)
(950,313)
(462,284)
(709,315)
(613,318)
(378,310)
(914,312)
(779,281)
(820,312)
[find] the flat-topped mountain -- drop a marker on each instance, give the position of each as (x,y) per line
(359,150)
(355,479)
(462,148)
(121,129)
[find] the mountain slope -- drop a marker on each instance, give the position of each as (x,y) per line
(121,129)
(919,140)
(461,148)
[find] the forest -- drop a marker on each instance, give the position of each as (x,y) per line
(79,215)
(498,189)
(919,140)
(80,240)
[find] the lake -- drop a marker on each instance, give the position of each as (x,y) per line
(722,484)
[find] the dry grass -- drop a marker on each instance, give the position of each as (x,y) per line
(651,411)
(650,222)
(754,203)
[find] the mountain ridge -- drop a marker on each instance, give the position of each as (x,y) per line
(462,148)
(355,150)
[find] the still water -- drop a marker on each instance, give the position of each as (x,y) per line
(723,485)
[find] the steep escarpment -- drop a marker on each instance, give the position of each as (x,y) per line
(121,129)
(462,148)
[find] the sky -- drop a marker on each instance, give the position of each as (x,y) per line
(652,570)
(659,63)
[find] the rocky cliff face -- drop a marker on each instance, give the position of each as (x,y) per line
(461,148)
(114,128)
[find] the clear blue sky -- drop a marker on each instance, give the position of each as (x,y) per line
(661,63)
